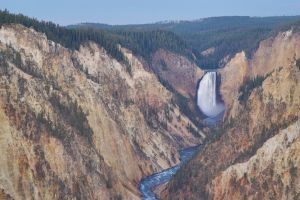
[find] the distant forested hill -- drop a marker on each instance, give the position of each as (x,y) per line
(224,36)
(207,41)
(142,43)
(70,38)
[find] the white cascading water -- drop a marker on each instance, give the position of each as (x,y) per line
(207,95)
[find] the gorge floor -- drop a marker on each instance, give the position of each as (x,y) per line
(148,184)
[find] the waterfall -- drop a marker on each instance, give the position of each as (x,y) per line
(207,95)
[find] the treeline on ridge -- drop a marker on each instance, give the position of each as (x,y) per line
(145,43)
(226,35)
(70,38)
(142,43)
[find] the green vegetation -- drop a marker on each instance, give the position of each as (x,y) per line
(57,130)
(266,133)
(246,89)
(74,115)
(226,43)
(150,115)
(167,111)
(118,197)
(217,131)
(192,130)
(298,63)
(145,43)
(253,180)
(228,35)
(163,65)
(293,171)
(109,182)
(27,67)
(180,179)
(70,38)
(21,86)
(14,57)
(182,102)
(3,64)
(205,161)
(142,43)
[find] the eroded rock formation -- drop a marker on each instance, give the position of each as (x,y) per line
(79,124)
(255,152)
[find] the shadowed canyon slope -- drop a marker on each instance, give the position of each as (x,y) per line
(182,74)
(87,113)
(254,153)
(76,124)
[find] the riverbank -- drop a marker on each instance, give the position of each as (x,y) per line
(149,183)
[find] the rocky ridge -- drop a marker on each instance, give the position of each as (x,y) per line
(79,124)
(254,153)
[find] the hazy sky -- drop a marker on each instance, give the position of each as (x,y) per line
(144,11)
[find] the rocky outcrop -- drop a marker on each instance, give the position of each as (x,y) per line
(232,76)
(272,173)
(182,74)
(254,152)
(79,124)
(274,52)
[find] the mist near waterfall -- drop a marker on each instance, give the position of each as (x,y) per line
(207,96)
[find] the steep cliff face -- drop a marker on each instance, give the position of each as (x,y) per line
(272,165)
(182,74)
(274,52)
(272,173)
(255,151)
(232,77)
(79,124)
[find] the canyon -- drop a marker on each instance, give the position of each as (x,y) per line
(76,124)
(254,152)
(92,118)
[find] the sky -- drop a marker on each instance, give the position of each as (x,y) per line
(66,12)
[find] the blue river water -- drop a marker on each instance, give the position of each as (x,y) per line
(148,184)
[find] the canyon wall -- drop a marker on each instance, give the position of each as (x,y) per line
(277,51)
(254,153)
(79,124)
(182,74)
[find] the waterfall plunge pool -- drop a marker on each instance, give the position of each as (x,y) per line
(213,108)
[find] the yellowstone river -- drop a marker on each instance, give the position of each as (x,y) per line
(148,184)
